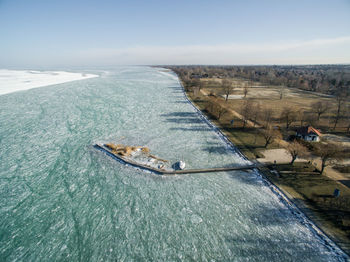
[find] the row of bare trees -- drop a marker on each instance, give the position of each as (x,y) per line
(313,116)
(215,109)
(288,114)
(320,78)
(328,153)
(228,86)
(251,110)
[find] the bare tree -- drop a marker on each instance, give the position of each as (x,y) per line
(196,82)
(227,88)
(302,116)
(320,108)
(295,150)
(221,111)
(196,91)
(245,90)
(210,107)
(215,109)
(187,83)
(267,115)
(281,91)
(340,99)
(255,112)
(342,94)
(200,84)
(310,119)
(329,154)
(270,135)
(348,118)
(185,78)
(288,115)
(246,111)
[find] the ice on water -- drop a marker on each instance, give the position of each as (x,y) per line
(61,199)
(18,80)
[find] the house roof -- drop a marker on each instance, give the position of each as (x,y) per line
(307,130)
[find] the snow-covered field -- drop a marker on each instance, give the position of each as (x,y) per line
(18,80)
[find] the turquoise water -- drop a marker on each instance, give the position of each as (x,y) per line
(63,200)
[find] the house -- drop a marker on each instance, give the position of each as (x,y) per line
(308,133)
(193,75)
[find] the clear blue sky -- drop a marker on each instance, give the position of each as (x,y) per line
(86,33)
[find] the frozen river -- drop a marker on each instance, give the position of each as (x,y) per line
(63,200)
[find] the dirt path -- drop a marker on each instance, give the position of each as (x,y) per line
(238,115)
(330,172)
(281,156)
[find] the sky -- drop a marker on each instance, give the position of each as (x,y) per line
(88,33)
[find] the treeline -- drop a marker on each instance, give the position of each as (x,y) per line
(336,110)
(327,79)
(251,110)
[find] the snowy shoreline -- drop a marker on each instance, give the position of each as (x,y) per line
(20,80)
(295,210)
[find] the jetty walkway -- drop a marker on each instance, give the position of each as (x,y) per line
(173,172)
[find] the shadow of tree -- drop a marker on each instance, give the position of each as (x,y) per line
(253,248)
(217,150)
(180,102)
(180,114)
(193,129)
(273,247)
(265,215)
(182,117)
(183,120)
(345,182)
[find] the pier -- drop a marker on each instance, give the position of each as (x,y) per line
(172,172)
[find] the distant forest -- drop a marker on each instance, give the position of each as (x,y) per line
(327,79)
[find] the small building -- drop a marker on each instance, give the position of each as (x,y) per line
(308,133)
(193,75)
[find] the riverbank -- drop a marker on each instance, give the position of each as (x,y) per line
(302,208)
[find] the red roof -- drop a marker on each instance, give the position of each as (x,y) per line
(306,130)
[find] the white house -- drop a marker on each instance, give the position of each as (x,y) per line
(308,133)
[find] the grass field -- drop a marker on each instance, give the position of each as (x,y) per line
(298,100)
